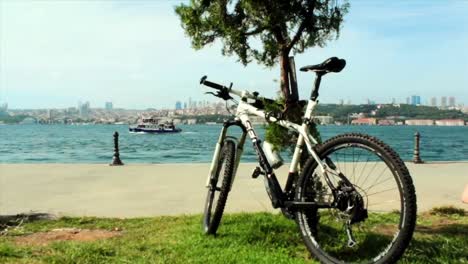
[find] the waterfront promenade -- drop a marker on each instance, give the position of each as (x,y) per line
(170,189)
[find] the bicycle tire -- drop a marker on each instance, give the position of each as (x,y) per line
(316,241)
(212,218)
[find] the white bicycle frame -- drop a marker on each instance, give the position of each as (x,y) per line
(243,111)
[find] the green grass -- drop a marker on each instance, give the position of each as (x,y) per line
(243,238)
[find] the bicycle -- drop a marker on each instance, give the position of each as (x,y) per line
(329,197)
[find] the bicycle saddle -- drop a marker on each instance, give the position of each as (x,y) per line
(332,64)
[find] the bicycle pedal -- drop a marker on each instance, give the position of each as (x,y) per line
(256,172)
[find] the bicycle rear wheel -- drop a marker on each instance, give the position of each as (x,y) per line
(218,190)
(373,212)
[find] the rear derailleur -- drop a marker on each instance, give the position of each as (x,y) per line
(351,204)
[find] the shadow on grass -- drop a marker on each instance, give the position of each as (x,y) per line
(8,221)
(436,249)
(248,238)
(448,230)
(275,232)
(29,217)
(261,230)
(442,243)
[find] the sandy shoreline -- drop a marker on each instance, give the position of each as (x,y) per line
(170,189)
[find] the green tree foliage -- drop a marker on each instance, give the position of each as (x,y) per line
(422,112)
(403,111)
(7,119)
(343,110)
(263,30)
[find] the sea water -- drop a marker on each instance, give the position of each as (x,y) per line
(195,144)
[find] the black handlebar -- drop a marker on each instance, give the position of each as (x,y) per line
(223,92)
(211,84)
(214,85)
(202,80)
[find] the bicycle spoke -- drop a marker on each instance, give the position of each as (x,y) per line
(375,164)
(385,202)
(382,191)
(363,169)
(380,175)
(345,233)
(353,165)
(372,186)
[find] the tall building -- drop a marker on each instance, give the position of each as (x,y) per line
(434,101)
(72,111)
(451,101)
(443,102)
(83,109)
(185,105)
(109,106)
(407,100)
(190,106)
(3,109)
(415,100)
(178,105)
(50,114)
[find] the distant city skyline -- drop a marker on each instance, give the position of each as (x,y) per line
(135,55)
(189,103)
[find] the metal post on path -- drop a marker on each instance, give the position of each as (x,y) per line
(416,155)
(116,159)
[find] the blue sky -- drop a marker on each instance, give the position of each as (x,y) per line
(135,54)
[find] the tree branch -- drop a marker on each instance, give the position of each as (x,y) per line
(255,31)
(302,26)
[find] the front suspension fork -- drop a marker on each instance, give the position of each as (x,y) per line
(216,155)
(219,145)
(239,151)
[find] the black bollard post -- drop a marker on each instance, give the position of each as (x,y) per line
(116,159)
(416,156)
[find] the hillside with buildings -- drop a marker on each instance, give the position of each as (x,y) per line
(391,114)
(193,112)
(84,113)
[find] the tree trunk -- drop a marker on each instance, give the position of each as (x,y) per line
(284,68)
(293,80)
(289,91)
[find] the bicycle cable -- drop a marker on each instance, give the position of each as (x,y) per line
(227,107)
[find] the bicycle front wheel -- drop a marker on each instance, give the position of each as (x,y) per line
(373,212)
(218,190)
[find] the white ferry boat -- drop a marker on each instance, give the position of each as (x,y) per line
(150,125)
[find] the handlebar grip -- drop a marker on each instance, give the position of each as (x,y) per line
(211,84)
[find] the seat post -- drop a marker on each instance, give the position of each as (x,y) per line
(315,91)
